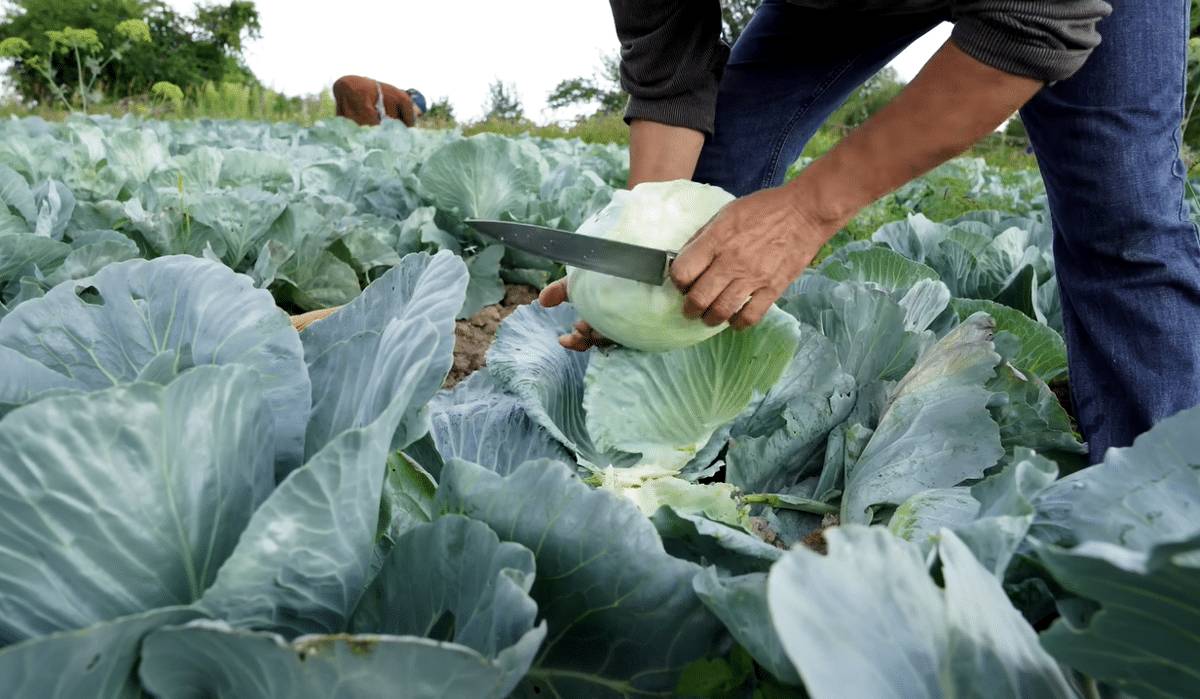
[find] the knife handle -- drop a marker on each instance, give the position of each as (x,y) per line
(667,265)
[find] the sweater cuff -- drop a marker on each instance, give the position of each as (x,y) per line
(997,48)
(694,110)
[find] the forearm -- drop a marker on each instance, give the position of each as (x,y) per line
(954,101)
(660,152)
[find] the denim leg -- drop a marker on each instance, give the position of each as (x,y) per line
(1128,258)
(789,70)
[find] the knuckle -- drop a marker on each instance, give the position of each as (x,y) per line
(680,275)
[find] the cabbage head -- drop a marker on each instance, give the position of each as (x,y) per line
(660,215)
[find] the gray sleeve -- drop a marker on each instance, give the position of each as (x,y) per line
(1047,40)
(671,60)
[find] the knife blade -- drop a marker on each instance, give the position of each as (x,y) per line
(647,265)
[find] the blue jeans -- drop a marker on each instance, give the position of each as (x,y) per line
(1107,143)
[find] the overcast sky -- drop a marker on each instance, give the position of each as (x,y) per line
(448,49)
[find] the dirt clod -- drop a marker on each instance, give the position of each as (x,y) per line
(816,540)
(473,336)
(762,529)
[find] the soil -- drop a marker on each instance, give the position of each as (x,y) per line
(1062,391)
(816,540)
(473,336)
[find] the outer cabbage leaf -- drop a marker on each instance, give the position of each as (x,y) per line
(303,559)
(91,252)
(848,312)
(1043,352)
(774,439)
(526,360)
(158,221)
(666,406)
(194,309)
(448,612)
(406,501)
(17,196)
(215,660)
(25,379)
(1145,638)
(353,355)
(1032,417)
(1140,496)
(924,304)
(420,232)
(483,176)
(242,166)
(879,265)
(476,422)
(895,633)
(55,205)
(241,219)
(936,431)
(622,615)
(134,155)
(485,288)
(312,277)
(991,517)
(1006,510)
(694,537)
(741,604)
(23,253)
(127,499)
(196,171)
(98,661)
(455,581)
(914,237)
(920,518)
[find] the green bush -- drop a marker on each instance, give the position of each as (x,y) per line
(185,51)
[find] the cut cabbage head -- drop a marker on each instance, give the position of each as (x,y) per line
(645,317)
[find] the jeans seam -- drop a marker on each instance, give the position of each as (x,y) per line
(1177,141)
(816,95)
(1179,138)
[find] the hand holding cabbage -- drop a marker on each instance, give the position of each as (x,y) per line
(738,257)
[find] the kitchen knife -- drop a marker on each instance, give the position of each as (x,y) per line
(647,265)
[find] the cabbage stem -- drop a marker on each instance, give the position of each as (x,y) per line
(791,502)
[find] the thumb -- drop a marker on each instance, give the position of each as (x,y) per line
(694,258)
(553,294)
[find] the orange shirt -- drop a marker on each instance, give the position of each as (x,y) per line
(357,99)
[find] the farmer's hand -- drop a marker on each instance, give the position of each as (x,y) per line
(582,338)
(753,248)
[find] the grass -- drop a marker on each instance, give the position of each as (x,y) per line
(212,101)
(253,103)
(601,128)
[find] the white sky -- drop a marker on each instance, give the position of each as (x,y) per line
(449,49)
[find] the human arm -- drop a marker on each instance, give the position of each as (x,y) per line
(758,244)
(1000,54)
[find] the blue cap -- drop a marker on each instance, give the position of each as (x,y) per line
(417,98)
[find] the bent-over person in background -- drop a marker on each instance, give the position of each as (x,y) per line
(368,102)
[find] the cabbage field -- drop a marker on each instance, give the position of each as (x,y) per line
(875,492)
